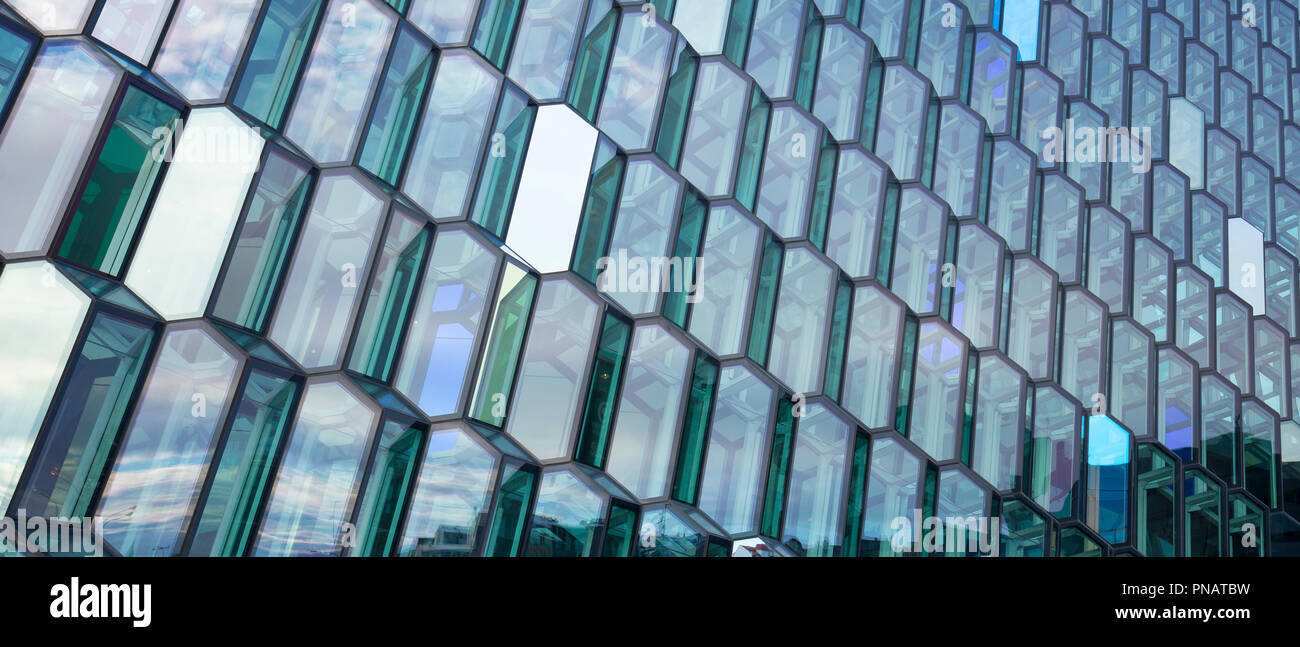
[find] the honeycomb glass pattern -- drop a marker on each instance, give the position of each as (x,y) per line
(621,278)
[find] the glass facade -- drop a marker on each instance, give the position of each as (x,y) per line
(614,278)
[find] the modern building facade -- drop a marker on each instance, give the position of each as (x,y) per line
(669,278)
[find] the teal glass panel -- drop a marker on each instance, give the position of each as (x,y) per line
(857,490)
(778,468)
(677,105)
(260,250)
(1157,478)
(510,513)
(1202,515)
(1024,531)
(603,392)
(103,225)
(597,224)
(392,470)
(496,374)
(1259,451)
(837,348)
(15,53)
(275,59)
(752,148)
(620,535)
(495,32)
(769,283)
(695,429)
(504,164)
(592,66)
(683,287)
(227,521)
(387,138)
(391,296)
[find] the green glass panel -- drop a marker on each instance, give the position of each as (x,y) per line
(497,372)
(503,166)
(689,245)
(510,513)
(602,395)
(243,470)
(809,54)
(752,147)
(664,8)
(1156,510)
(839,338)
(121,181)
(912,37)
(264,241)
(968,408)
(388,136)
(930,497)
(15,49)
(946,292)
(495,32)
(857,494)
(822,192)
(1024,531)
(717,548)
(589,71)
(621,536)
(1259,460)
(908,366)
(598,216)
(1201,515)
(677,106)
(888,231)
(399,5)
(873,97)
(853,11)
(69,463)
(1076,543)
(392,296)
(392,472)
(769,281)
(736,47)
(695,430)
(778,468)
(108,290)
(275,59)
(931,145)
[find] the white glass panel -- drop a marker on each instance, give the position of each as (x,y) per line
(41,315)
(185,238)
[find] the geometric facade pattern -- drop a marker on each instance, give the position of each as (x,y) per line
(669,278)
